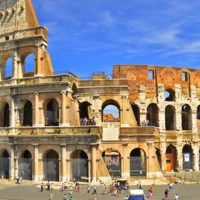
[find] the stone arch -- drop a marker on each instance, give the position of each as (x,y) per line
(187,153)
(6,116)
(8,68)
(52,114)
(110,111)
(79,165)
(152,115)
(169,95)
(85,110)
(171,158)
(170,118)
(137,162)
(4,163)
(136,112)
(112,159)
(28,63)
(51,165)
(28,114)
(186,114)
(25,165)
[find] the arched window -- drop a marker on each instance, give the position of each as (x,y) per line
(52,113)
(110,111)
(136,112)
(152,115)
(9,68)
(29,65)
(169,95)
(186,117)
(170,119)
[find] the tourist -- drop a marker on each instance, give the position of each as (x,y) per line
(140,185)
(166,194)
(88,190)
(95,197)
(64,197)
(48,185)
(170,186)
(70,190)
(176,197)
(63,187)
(42,187)
(95,190)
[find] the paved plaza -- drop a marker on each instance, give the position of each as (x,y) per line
(31,191)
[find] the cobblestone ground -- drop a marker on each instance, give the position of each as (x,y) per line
(30,191)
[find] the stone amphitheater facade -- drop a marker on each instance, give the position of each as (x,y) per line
(42,136)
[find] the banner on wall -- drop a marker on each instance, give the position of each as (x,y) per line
(187,157)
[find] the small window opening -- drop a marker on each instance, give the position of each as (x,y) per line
(150,74)
(184,76)
(7,37)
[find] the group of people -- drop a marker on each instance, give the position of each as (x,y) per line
(85,121)
(176,197)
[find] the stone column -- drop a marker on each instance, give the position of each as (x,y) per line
(162,119)
(94,164)
(125,162)
(163,155)
(195,156)
(64,121)
(194,121)
(36,163)
(12,113)
(36,110)
(63,163)
(178,119)
(68,171)
(15,69)
(179,157)
(12,163)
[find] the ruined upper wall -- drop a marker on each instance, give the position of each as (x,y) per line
(16,15)
(138,75)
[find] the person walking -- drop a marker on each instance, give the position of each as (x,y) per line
(176,197)
(170,186)
(42,187)
(166,194)
(64,197)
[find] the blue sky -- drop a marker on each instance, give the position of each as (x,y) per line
(90,36)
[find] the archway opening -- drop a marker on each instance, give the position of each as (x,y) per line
(51,165)
(4,163)
(152,115)
(29,65)
(79,165)
(52,116)
(9,68)
(136,112)
(187,157)
(110,111)
(25,165)
(170,119)
(169,95)
(186,117)
(137,162)
(85,112)
(171,158)
(6,116)
(112,159)
(27,117)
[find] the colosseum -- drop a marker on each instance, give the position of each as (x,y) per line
(141,121)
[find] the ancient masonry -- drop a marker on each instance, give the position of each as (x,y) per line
(54,127)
